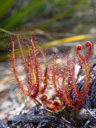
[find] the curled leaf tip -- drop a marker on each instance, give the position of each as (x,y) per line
(86,57)
(79,47)
(88,43)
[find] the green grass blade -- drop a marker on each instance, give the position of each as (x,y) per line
(32,15)
(4,6)
(63,14)
(21,13)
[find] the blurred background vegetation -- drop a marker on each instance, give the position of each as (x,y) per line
(53,21)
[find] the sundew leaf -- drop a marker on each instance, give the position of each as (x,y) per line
(21,13)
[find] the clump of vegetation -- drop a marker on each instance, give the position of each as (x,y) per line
(66,92)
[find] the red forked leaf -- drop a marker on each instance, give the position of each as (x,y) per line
(66,93)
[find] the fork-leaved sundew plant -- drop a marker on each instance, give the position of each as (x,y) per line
(66,91)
